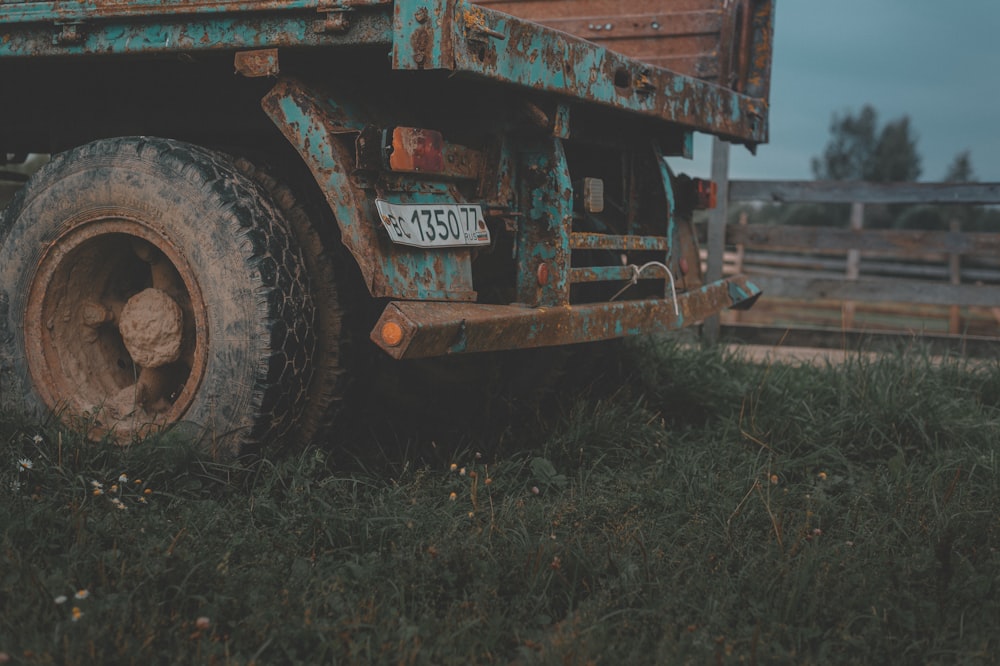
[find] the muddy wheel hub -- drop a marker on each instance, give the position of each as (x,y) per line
(115,328)
(151,326)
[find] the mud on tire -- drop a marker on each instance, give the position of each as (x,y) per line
(145,283)
(331,295)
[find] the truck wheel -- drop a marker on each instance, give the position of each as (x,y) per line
(146,282)
(330,376)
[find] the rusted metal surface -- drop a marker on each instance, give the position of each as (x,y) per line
(570,112)
(423,34)
(727,41)
(686,42)
(325,133)
(254,64)
(436,329)
(461,162)
(105,27)
(757,82)
(616,27)
(26,12)
(615,273)
(688,274)
(723,41)
(497,183)
(590,241)
(467,38)
(543,240)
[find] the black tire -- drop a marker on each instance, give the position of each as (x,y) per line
(326,268)
(100,228)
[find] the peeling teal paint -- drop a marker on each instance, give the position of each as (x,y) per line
(667,179)
(33,12)
(422,34)
(390,270)
(688,149)
(544,238)
(460,36)
(36,28)
(738,293)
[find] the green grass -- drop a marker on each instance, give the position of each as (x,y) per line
(676,505)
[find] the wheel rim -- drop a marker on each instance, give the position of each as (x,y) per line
(115,328)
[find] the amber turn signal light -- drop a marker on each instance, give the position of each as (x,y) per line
(392,334)
(417,150)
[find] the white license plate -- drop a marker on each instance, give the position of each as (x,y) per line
(434,225)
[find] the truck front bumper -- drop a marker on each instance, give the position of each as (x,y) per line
(422,329)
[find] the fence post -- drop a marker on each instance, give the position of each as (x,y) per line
(741,248)
(955,274)
(716,239)
(853,263)
(737,268)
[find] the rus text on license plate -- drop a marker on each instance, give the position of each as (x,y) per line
(434,225)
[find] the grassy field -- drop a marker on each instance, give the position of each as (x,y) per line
(677,505)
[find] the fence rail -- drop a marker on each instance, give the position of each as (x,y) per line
(824,281)
(816,191)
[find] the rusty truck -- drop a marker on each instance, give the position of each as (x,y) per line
(238,187)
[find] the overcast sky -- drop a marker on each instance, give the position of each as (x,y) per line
(938,62)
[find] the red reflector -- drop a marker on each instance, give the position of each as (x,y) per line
(415,149)
(705,193)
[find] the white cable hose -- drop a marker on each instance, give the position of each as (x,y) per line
(637,271)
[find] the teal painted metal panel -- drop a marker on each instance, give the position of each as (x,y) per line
(460,36)
(543,252)
(668,187)
(27,12)
(98,28)
(323,131)
(424,34)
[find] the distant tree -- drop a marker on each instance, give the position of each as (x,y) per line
(896,159)
(849,152)
(970,218)
(940,217)
(960,170)
(859,149)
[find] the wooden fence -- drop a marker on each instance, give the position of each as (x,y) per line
(833,287)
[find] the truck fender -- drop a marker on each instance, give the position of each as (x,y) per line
(323,131)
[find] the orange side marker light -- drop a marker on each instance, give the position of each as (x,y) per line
(392,334)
